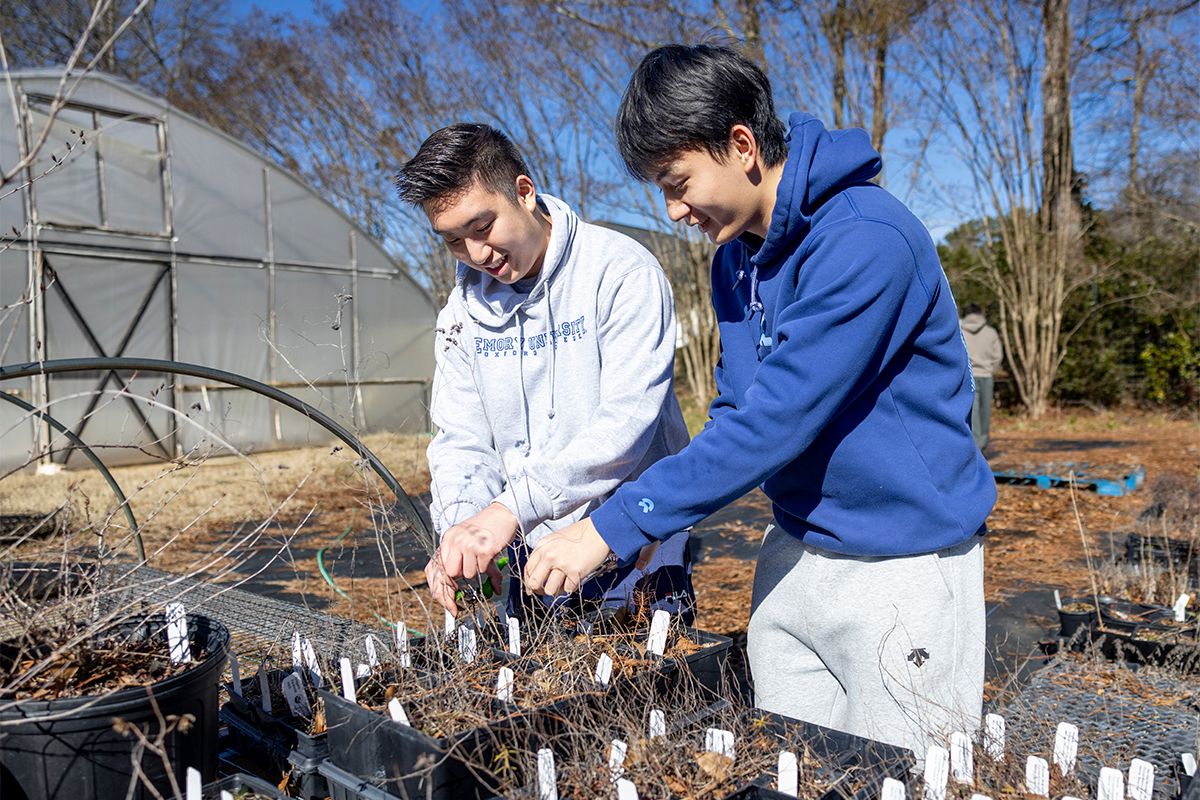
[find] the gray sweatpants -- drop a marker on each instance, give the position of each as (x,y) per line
(887,648)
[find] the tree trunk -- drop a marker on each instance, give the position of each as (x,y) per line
(834,24)
(879,122)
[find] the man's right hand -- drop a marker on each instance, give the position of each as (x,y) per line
(469,549)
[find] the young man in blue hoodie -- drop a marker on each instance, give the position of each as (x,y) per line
(554,374)
(844,391)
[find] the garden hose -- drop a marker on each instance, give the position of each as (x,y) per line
(341,592)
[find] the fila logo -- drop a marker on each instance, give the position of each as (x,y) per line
(646,504)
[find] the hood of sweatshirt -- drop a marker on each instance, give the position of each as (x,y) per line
(820,163)
(493,303)
(973,323)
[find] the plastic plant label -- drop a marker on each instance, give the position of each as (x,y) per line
(616,758)
(1057,600)
(194,785)
(604,669)
(362,671)
(626,790)
(396,712)
(892,790)
(658,723)
(402,654)
(1140,783)
(314,666)
(993,736)
(788,774)
(547,777)
(937,769)
(1066,746)
(719,741)
(1180,607)
(504,685)
(1037,776)
(962,760)
(657,642)
(372,655)
(985,797)
(1189,763)
(1111,785)
(466,645)
(297,658)
(293,692)
(347,680)
(226,795)
(235,673)
(514,636)
(177,634)
(264,691)
(449,623)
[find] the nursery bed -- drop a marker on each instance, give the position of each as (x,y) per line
(1133,712)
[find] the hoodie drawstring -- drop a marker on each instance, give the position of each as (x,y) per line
(550,343)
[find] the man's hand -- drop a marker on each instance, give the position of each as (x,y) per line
(562,560)
(469,549)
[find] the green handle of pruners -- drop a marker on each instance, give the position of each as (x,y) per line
(488,591)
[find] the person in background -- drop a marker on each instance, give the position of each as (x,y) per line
(983,345)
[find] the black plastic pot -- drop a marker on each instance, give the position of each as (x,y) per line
(404,762)
(67,749)
(241,783)
(279,741)
(1071,622)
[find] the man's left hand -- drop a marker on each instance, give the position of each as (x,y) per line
(560,562)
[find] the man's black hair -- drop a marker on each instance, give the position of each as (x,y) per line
(688,97)
(971,308)
(453,158)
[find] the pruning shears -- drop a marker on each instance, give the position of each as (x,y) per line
(488,591)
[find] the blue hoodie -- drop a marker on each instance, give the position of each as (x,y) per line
(844,387)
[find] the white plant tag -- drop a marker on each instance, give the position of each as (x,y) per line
(985,797)
(1037,776)
(547,778)
(993,736)
(314,667)
(402,654)
(1181,604)
(297,663)
(616,758)
(626,790)
(235,673)
(396,711)
(504,685)
(194,785)
(1140,783)
(177,634)
(514,636)
(937,769)
(372,655)
(1066,746)
(657,642)
(449,625)
(1057,600)
(1189,763)
(788,774)
(604,669)
(962,759)
(466,645)
(658,723)
(1111,785)
(720,741)
(293,692)
(264,691)
(226,795)
(362,671)
(347,680)
(892,789)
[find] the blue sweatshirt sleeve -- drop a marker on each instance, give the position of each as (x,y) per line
(861,299)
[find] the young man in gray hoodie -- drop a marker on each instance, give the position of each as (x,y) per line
(554,374)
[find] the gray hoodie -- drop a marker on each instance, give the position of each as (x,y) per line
(983,345)
(547,401)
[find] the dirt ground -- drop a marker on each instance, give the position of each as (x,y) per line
(262,520)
